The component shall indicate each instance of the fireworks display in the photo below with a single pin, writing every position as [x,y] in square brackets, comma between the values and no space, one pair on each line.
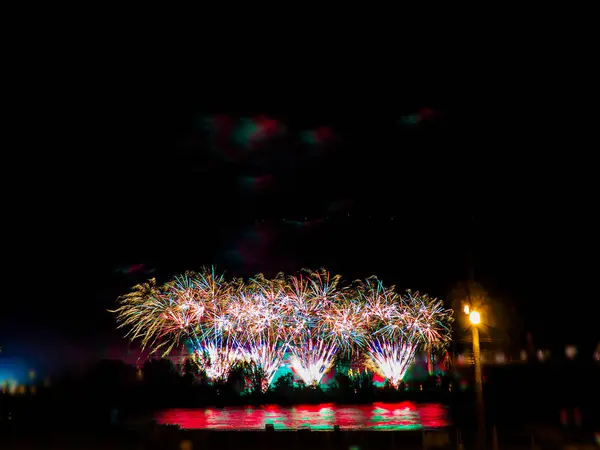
[262,321]
[310,318]
[323,322]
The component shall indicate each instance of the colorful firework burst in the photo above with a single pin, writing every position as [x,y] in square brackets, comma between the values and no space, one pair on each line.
[401,325]
[162,317]
[324,321]
[312,316]
[216,339]
[262,317]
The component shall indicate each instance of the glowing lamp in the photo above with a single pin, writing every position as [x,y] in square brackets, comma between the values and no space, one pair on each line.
[474,317]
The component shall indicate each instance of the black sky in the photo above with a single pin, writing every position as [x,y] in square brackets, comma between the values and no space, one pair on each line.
[114,171]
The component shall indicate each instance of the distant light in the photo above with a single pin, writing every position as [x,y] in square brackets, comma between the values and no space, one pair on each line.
[466,309]
[475,317]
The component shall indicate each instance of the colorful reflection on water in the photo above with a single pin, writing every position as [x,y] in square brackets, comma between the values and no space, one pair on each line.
[376,416]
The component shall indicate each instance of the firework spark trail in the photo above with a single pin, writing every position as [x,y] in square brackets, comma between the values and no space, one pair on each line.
[322,323]
[390,360]
[263,319]
[133,306]
[267,357]
[400,325]
[393,346]
[216,340]
[185,306]
[162,317]
[313,359]
[345,323]
[216,360]
[311,315]
[432,319]
[379,302]
[192,308]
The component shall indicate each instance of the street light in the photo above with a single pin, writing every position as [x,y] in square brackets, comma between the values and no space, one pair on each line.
[475,319]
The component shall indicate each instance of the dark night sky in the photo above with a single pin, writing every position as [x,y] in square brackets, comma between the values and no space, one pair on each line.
[115,171]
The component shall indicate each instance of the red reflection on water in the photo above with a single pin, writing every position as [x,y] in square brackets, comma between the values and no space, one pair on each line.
[383,416]
[389,416]
[433,415]
[313,408]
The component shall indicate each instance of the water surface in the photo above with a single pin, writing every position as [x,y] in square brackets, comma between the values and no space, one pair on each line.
[376,416]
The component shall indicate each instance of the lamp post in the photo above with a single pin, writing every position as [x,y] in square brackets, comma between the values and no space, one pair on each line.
[475,319]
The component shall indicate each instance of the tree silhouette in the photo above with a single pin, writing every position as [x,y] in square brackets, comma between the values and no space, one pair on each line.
[160,372]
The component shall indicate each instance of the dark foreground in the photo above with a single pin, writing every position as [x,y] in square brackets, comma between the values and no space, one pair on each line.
[158,437]
[532,407]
